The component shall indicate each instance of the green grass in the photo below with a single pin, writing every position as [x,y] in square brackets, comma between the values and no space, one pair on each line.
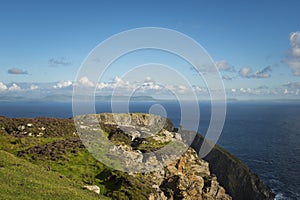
[82,167]
[78,169]
[38,177]
[20,179]
[13,144]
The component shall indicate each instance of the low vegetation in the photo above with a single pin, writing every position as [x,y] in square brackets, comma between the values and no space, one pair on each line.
[55,165]
[21,179]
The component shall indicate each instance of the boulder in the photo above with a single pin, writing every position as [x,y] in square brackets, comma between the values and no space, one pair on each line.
[93,188]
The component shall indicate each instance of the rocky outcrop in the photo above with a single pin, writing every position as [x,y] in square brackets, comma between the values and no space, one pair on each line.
[136,120]
[135,135]
[234,175]
[187,177]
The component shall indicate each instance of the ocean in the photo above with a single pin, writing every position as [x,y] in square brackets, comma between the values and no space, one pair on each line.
[264,135]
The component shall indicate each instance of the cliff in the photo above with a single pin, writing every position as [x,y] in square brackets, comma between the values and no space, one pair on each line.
[234,175]
[53,144]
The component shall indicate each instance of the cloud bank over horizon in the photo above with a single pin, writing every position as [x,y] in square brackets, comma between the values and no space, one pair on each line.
[146,87]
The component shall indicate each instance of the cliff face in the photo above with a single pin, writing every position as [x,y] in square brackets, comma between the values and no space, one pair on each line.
[234,175]
[54,143]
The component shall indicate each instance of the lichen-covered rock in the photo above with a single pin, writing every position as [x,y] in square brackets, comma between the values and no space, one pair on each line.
[152,123]
[187,178]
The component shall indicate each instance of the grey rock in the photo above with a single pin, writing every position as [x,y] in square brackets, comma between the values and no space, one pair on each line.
[93,188]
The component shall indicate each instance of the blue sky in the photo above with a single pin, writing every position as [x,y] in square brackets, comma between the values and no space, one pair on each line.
[255,44]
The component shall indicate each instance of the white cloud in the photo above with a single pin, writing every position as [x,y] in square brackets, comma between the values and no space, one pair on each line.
[294,64]
[247,72]
[243,90]
[84,81]
[262,92]
[199,89]
[147,79]
[246,90]
[147,86]
[34,87]
[14,87]
[3,87]
[264,73]
[223,65]
[115,83]
[118,83]
[295,44]
[293,58]
[62,84]
[102,85]
[151,86]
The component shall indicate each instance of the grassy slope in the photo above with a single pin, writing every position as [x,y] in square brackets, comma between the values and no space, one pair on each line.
[24,179]
[77,169]
[29,176]
[20,179]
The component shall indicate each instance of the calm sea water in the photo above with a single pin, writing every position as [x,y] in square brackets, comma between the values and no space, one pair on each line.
[265,135]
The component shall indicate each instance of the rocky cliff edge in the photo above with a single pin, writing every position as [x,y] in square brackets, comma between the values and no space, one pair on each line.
[187,177]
